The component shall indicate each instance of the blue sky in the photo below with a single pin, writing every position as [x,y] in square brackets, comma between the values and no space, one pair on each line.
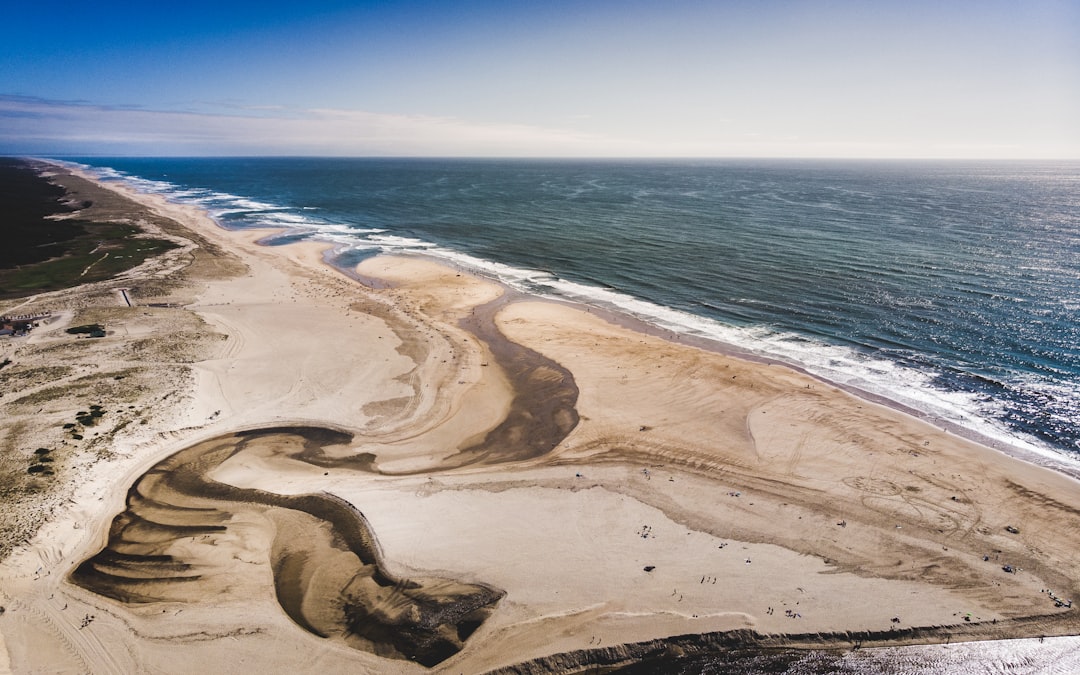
[548,78]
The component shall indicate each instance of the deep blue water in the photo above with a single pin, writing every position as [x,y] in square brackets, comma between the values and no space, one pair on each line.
[951,287]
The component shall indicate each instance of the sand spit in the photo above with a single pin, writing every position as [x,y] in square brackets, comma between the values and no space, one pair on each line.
[432,475]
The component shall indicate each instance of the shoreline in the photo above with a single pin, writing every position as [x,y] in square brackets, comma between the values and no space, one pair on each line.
[672,466]
[1029,450]
[1043,457]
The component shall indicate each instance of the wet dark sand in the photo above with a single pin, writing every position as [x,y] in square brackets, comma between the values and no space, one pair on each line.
[328,571]
[329,576]
[542,411]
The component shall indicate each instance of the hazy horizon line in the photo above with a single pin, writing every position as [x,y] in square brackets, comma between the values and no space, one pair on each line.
[545,158]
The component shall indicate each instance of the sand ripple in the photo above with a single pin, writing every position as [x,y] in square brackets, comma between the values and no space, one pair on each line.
[183,534]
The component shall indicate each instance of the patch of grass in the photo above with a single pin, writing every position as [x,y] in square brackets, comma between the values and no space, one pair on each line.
[22,377]
[83,261]
[101,384]
[90,419]
[42,254]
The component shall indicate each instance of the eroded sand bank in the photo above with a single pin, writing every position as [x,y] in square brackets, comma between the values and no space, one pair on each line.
[575,484]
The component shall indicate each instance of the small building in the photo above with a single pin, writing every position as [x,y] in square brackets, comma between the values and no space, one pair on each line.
[20,325]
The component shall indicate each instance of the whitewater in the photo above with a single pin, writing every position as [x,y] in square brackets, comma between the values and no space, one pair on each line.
[951,289]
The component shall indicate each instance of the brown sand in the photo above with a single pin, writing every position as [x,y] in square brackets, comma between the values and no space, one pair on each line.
[539,480]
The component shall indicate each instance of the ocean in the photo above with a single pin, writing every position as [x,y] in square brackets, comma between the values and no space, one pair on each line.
[951,288]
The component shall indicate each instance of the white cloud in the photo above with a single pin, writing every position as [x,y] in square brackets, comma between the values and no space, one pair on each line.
[76,127]
[32,126]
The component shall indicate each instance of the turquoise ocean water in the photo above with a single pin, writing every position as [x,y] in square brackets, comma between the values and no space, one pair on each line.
[952,288]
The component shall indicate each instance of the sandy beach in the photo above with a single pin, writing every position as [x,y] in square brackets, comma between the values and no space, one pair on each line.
[296,470]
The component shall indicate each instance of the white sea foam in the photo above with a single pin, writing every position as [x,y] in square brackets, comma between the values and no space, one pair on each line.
[844,366]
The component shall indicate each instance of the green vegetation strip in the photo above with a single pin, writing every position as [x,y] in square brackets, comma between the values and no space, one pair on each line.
[44,254]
